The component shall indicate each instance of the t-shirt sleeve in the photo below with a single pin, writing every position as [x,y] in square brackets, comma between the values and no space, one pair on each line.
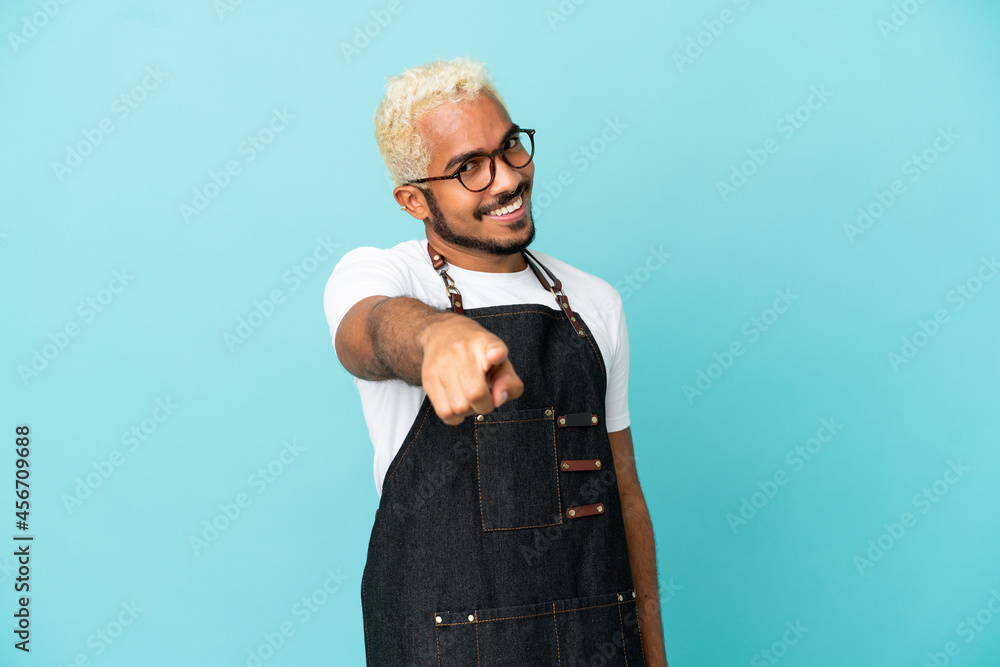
[616,400]
[361,273]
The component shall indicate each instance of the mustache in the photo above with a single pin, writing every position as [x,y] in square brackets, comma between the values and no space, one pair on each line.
[517,193]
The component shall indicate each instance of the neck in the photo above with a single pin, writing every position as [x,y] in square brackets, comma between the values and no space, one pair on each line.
[476,260]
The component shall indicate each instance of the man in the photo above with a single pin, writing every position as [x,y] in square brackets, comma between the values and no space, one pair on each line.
[511,528]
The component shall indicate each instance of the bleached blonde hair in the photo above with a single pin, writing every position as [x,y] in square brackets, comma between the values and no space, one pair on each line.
[414,93]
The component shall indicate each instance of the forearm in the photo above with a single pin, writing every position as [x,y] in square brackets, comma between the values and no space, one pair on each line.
[463,367]
[394,327]
[642,558]
[381,338]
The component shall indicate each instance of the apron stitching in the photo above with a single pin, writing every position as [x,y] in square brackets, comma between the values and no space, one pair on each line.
[555,453]
[437,644]
[477,637]
[403,455]
[479,482]
[621,624]
[509,618]
[479,487]
[603,370]
[540,525]
[638,626]
[520,312]
[364,616]
[556,625]
[512,421]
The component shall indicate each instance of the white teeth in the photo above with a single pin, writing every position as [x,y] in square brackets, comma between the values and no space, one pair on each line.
[513,206]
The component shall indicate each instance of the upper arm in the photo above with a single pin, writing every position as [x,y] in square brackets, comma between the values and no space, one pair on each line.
[616,398]
[352,340]
[362,278]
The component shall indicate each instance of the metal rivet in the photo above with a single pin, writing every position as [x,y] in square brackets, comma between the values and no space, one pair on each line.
[437,618]
[565,466]
[572,319]
[572,512]
[620,598]
[597,464]
[580,332]
[479,418]
[548,413]
[600,508]
[562,421]
[458,304]
[593,419]
[633,593]
[471,617]
[436,258]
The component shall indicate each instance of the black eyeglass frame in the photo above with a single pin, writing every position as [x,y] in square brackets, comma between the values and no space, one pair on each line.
[493,165]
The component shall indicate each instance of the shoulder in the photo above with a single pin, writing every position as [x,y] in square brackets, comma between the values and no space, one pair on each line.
[407,253]
[403,264]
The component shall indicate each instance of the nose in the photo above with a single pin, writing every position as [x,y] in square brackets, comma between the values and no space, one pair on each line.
[507,178]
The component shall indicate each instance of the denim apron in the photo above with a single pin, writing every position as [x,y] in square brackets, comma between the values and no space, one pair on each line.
[500,541]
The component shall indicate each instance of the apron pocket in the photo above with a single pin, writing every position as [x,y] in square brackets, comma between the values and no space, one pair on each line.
[518,469]
[597,630]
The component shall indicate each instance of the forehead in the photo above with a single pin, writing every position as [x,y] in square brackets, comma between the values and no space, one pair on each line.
[479,124]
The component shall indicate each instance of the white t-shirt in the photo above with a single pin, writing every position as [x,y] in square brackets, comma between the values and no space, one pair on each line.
[390,406]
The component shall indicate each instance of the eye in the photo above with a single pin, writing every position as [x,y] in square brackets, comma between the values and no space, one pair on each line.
[471,166]
[512,142]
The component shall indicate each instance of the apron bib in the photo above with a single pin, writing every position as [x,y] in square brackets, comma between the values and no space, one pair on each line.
[500,541]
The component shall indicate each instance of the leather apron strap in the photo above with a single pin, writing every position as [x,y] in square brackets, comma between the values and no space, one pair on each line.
[455,297]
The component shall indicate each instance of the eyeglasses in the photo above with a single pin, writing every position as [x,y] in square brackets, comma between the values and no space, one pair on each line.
[477,172]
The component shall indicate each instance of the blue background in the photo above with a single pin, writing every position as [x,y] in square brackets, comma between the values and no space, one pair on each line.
[730,585]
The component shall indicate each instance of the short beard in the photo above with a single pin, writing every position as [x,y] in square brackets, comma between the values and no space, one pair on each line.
[442,229]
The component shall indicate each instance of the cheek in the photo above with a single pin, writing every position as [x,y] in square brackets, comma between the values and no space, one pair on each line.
[461,207]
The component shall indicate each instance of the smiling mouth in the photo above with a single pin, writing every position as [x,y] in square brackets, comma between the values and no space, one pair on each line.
[510,211]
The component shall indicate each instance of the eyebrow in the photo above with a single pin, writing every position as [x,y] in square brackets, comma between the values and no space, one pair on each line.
[459,159]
